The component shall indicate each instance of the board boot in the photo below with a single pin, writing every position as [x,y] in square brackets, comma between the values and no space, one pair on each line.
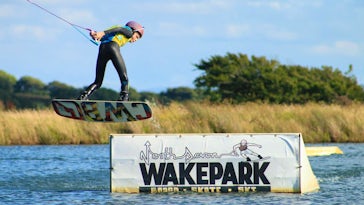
[85,94]
[124,96]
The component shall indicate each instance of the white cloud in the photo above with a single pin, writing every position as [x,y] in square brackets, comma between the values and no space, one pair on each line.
[267,31]
[270,4]
[7,10]
[277,33]
[275,5]
[44,3]
[346,48]
[183,7]
[175,29]
[78,16]
[234,31]
[283,4]
[33,32]
[75,11]
[237,30]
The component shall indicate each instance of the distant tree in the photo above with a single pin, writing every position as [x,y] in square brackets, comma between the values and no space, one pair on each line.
[7,83]
[149,96]
[134,94]
[179,94]
[234,77]
[28,84]
[31,93]
[105,94]
[60,90]
[237,78]
[110,94]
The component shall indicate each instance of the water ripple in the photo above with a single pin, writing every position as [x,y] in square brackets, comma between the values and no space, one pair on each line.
[80,175]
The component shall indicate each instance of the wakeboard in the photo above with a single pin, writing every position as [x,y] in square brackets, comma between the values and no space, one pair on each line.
[102,111]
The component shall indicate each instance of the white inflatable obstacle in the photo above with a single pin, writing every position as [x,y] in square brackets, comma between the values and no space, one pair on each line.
[236,162]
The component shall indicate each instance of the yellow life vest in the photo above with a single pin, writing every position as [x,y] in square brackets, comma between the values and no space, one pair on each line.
[120,39]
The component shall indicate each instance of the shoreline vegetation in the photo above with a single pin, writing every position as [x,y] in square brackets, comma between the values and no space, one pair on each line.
[318,123]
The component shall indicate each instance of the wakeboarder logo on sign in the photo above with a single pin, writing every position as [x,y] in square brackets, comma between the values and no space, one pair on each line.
[168,171]
[242,149]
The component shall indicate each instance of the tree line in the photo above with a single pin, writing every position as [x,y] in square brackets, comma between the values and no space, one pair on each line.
[238,78]
[30,92]
[234,78]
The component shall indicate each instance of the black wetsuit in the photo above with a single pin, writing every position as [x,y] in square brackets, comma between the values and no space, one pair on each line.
[110,50]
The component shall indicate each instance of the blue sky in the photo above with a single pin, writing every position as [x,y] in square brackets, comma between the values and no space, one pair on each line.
[178,34]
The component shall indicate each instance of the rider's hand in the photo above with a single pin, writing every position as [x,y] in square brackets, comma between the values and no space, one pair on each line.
[97,35]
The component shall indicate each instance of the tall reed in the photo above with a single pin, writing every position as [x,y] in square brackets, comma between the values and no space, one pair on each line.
[317,123]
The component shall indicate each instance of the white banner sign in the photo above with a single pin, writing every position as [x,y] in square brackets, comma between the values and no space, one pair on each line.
[209,163]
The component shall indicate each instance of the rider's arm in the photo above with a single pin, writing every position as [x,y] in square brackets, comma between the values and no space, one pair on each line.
[120,30]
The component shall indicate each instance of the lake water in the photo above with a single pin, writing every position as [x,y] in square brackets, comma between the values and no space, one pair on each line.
[80,175]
